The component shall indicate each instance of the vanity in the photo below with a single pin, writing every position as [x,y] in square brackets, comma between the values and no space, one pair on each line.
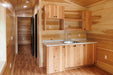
[60,56]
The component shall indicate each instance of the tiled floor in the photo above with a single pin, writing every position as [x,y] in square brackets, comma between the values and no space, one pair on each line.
[26,64]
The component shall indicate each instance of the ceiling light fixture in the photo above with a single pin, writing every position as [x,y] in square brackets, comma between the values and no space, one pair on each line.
[27,1]
[6,5]
[25,6]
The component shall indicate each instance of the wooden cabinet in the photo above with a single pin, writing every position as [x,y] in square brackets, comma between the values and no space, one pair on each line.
[87,20]
[59,58]
[74,56]
[81,20]
[54,59]
[89,54]
[54,12]
[55,15]
[79,55]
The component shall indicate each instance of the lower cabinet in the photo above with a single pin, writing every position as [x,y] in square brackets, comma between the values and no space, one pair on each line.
[59,58]
[54,59]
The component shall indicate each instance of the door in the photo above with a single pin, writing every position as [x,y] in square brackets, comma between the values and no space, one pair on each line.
[32,35]
[36,36]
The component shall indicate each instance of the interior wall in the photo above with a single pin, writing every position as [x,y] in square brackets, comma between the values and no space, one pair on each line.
[102,32]
[24,31]
[24,13]
[10,41]
[57,35]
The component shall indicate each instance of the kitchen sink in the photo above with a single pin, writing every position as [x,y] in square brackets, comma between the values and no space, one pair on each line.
[69,42]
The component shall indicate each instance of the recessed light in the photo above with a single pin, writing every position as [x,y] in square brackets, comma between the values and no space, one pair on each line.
[27,1]
[6,5]
[25,6]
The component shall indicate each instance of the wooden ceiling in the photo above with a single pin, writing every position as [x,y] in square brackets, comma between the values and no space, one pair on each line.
[85,2]
[19,4]
[79,2]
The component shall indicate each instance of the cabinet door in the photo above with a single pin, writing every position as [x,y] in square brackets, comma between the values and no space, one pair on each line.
[73,56]
[87,16]
[89,54]
[49,11]
[54,12]
[69,56]
[79,55]
[60,12]
[55,59]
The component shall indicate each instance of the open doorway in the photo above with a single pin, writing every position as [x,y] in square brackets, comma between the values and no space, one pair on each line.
[24,36]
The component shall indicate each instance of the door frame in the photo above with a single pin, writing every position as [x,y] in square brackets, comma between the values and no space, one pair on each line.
[16,19]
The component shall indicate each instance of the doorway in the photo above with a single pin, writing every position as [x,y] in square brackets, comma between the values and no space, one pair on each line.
[24,36]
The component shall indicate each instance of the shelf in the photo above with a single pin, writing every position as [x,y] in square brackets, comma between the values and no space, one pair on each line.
[74,29]
[73,19]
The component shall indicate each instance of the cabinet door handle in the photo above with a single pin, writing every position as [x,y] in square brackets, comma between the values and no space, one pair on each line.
[63,46]
[74,46]
[83,45]
[55,16]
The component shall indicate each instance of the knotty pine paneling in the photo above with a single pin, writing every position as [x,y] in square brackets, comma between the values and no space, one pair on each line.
[11,44]
[102,32]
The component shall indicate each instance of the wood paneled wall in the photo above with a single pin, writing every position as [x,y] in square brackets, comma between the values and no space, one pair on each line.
[24,31]
[57,35]
[24,13]
[11,44]
[102,32]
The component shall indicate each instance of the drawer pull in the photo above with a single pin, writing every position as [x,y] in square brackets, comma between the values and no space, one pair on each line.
[63,46]
[74,46]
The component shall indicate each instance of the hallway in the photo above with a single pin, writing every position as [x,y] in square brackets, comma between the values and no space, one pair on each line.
[25,63]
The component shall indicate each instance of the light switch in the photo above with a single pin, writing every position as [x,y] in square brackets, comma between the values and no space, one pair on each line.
[79,35]
[49,27]
[11,37]
[105,57]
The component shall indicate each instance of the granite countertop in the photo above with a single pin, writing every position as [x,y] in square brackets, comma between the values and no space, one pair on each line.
[61,43]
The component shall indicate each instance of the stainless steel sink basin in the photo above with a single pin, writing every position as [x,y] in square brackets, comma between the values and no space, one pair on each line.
[69,42]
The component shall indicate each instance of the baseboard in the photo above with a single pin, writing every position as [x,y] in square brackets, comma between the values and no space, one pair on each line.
[13,65]
[106,67]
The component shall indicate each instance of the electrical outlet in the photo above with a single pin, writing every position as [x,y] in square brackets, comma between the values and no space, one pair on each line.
[23,39]
[49,27]
[11,37]
[10,65]
[79,35]
[105,57]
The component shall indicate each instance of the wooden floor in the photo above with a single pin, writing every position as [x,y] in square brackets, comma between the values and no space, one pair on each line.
[26,64]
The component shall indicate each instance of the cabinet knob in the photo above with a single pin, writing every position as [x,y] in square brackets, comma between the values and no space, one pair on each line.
[74,46]
[63,46]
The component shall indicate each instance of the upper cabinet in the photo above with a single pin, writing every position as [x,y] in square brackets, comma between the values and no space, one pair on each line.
[54,12]
[56,18]
[87,20]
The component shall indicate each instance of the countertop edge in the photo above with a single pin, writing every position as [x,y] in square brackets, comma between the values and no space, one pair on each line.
[69,44]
